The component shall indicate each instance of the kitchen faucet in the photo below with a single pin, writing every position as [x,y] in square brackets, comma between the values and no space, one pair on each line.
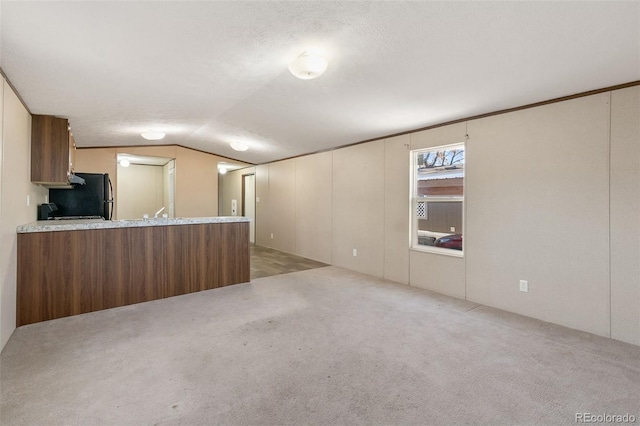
[155,216]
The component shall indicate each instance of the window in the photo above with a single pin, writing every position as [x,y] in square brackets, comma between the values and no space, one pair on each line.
[437,199]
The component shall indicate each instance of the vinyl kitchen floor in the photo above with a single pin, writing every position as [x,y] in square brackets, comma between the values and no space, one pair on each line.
[266,262]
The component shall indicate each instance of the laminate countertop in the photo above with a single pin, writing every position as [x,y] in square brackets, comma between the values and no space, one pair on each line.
[79,225]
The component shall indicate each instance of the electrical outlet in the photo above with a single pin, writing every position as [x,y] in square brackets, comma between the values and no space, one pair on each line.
[355,252]
[46,199]
[272,236]
[452,229]
[28,200]
[257,199]
[524,286]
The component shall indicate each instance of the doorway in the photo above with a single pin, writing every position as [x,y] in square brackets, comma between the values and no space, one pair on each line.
[249,203]
[145,185]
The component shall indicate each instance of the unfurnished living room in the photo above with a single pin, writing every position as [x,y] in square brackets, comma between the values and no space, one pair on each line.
[325,213]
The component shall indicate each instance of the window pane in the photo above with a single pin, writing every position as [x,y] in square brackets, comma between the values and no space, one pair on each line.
[440,219]
[440,173]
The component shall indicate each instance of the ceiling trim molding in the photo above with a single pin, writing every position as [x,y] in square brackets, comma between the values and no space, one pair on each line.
[161,146]
[217,155]
[474,117]
[24,104]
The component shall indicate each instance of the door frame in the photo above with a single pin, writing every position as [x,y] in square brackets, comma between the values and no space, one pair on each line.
[243,190]
[255,223]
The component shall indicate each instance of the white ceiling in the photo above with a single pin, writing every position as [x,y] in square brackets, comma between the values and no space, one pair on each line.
[209,73]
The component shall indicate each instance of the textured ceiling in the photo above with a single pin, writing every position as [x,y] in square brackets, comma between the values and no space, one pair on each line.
[209,73]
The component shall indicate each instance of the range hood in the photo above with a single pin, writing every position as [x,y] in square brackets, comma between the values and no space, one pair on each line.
[73,182]
[76,180]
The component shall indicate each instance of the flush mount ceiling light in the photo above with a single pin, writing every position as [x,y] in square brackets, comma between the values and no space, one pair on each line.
[239,146]
[222,170]
[152,135]
[124,162]
[308,66]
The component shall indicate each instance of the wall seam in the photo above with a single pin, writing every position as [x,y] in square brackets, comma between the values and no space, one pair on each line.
[411,210]
[295,207]
[3,342]
[333,213]
[384,210]
[386,213]
[269,209]
[609,214]
[2,158]
[465,253]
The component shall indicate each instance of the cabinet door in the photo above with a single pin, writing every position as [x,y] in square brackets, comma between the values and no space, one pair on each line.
[49,149]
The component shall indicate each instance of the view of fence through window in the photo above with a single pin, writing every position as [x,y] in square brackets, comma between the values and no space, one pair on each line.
[438,195]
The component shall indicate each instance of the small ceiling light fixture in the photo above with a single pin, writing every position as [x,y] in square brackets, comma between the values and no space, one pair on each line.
[222,170]
[239,146]
[152,135]
[308,66]
[124,162]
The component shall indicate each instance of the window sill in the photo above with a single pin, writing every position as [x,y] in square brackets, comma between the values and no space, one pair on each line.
[438,250]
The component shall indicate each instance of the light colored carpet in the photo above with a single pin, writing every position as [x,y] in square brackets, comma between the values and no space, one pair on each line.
[324,346]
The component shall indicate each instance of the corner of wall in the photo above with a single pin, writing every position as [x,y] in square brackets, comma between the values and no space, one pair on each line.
[15,189]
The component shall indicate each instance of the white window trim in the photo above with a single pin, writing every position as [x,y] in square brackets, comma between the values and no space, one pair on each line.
[413,236]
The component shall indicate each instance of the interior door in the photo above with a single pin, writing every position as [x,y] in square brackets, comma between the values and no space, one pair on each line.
[249,203]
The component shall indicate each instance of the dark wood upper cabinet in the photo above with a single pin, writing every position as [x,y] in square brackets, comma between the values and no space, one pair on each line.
[52,149]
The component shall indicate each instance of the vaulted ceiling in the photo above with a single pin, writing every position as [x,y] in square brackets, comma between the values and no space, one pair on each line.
[211,73]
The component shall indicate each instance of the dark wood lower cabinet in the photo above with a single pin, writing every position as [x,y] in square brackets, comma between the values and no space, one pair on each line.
[63,273]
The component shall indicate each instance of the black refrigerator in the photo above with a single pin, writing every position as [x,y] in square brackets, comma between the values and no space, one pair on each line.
[93,199]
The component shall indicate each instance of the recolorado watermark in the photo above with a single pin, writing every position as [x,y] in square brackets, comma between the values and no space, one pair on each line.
[605,418]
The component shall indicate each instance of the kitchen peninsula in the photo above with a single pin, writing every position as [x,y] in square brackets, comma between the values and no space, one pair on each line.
[72,267]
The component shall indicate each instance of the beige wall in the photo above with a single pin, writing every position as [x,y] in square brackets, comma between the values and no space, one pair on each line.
[358,208]
[140,191]
[97,160]
[445,135]
[298,193]
[263,217]
[196,183]
[282,199]
[396,213]
[275,198]
[2,83]
[313,206]
[536,208]
[15,186]
[625,215]
[196,180]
